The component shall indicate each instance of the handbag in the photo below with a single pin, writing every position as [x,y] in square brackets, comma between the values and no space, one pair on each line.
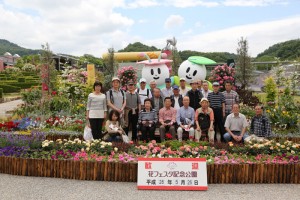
[87,134]
[125,138]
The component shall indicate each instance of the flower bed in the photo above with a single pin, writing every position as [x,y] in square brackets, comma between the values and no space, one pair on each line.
[255,162]
[127,172]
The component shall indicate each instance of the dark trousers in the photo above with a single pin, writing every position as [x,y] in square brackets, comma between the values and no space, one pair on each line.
[132,122]
[146,130]
[96,126]
[218,114]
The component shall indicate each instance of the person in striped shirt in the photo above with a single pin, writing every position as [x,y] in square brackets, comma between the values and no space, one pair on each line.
[231,97]
[147,121]
[217,103]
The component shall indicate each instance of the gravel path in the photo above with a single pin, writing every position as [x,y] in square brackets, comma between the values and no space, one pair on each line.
[9,106]
[28,188]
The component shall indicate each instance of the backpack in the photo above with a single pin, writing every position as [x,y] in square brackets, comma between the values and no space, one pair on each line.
[138,91]
[203,119]
[112,97]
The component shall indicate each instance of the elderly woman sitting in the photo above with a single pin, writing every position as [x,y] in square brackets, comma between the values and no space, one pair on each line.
[147,121]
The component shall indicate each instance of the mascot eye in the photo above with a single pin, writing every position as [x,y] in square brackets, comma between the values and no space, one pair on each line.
[158,70]
[152,72]
[195,72]
[188,69]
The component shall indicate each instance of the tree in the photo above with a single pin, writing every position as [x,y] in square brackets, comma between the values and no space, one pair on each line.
[176,61]
[244,71]
[110,67]
[48,71]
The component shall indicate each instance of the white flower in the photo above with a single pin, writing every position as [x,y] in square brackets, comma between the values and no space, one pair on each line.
[102,147]
[115,149]
[292,152]
[87,149]
[45,144]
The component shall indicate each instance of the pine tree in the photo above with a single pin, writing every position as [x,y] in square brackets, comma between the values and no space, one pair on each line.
[244,69]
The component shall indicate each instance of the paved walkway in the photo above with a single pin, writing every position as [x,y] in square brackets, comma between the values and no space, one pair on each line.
[8,106]
[31,188]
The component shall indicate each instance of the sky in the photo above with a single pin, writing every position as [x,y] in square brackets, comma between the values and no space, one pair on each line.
[80,27]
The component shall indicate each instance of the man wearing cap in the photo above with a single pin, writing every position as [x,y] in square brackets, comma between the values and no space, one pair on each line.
[231,97]
[185,119]
[195,95]
[133,106]
[204,118]
[116,98]
[143,92]
[236,125]
[217,103]
[176,98]
[167,91]
[167,119]
[182,89]
[205,89]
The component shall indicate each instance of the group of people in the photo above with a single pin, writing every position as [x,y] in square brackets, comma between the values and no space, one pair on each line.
[191,113]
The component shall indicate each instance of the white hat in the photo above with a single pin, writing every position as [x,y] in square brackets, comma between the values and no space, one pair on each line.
[143,80]
[115,78]
[203,99]
[182,79]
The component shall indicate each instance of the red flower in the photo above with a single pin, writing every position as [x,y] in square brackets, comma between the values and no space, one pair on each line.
[169,136]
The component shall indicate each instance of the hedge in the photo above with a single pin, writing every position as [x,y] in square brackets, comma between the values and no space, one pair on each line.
[1,93]
[23,85]
[21,80]
[29,73]
[9,88]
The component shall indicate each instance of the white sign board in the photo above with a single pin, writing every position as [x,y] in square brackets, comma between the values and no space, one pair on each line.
[172,174]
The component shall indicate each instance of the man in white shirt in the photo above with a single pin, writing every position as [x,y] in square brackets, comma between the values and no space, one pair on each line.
[205,89]
[182,89]
[236,125]
[143,92]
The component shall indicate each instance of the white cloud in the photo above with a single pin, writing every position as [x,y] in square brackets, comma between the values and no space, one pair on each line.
[250,3]
[187,32]
[142,3]
[191,3]
[173,21]
[75,27]
[260,36]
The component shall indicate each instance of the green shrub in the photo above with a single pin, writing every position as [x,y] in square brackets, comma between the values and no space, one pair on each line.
[30,97]
[1,93]
[24,85]
[21,80]
[270,89]
[59,103]
[2,78]
[9,88]
[28,73]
